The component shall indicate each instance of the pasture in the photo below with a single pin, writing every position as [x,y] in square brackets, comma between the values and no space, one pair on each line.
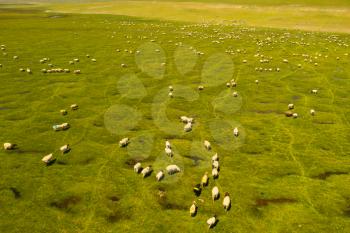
[283,174]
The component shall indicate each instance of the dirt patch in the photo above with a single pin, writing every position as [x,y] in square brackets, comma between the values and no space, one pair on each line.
[114,198]
[195,159]
[117,216]
[16,193]
[66,203]
[132,161]
[166,204]
[325,175]
[324,122]
[265,202]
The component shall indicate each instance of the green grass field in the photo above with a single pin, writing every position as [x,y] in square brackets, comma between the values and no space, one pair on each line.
[284,175]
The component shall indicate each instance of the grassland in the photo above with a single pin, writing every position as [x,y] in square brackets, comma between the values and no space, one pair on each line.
[284,175]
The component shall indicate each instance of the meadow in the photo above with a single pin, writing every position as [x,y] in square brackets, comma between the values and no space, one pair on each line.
[283,174]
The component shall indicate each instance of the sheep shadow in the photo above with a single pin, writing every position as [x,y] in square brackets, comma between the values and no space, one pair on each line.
[50,163]
[215,223]
[148,174]
[217,198]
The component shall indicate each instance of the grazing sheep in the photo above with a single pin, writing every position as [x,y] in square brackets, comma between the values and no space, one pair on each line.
[167,144]
[215,157]
[211,221]
[215,173]
[87,55]
[288,113]
[137,167]
[235,94]
[170,95]
[15,57]
[227,201]
[314,91]
[295,115]
[60,127]
[290,106]
[47,158]
[77,72]
[188,127]
[9,146]
[66,70]
[124,142]
[171,88]
[228,84]
[146,171]
[193,209]
[205,179]
[21,70]
[233,84]
[235,132]
[257,81]
[312,112]
[0,65]
[65,148]
[200,88]
[123,65]
[215,164]
[168,152]
[160,175]
[63,112]
[74,107]
[207,145]
[215,193]
[71,62]
[172,169]
[44,71]
[93,60]
[76,59]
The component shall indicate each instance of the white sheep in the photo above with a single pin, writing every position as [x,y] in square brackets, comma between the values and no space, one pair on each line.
[160,175]
[205,179]
[235,94]
[312,112]
[314,91]
[65,148]
[167,144]
[74,106]
[257,81]
[8,146]
[124,142]
[295,115]
[170,95]
[47,158]
[168,151]
[146,171]
[215,193]
[93,60]
[200,88]
[171,88]
[227,201]
[211,222]
[216,164]
[62,126]
[235,132]
[188,127]
[137,167]
[172,169]
[228,84]
[207,145]
[215,157]
[77,72]
[193,209]
[290,106]
[215,173]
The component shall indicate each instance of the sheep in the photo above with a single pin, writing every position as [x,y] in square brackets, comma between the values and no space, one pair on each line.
[77,72]
[15,57]
[215,164]
[64,149]
[146,171]
[168,152]
[47,158]
[233,84]
[235,132]
[257,81]
[63,112]
[44,71]
[288,113]
[211,221]
[66,70]
[205,179]
[160,175]
[227,201]
[295,115]
[290,106]
[137,167]
[60,127]
[215,157]
[171,88]
[207,145]
[124,142]
[193,209]
[314,91]
[0,65]
[93,60]
[167,144]
[215,173]
[215,193]
[188,127]
[71,62]
[172,169]
[200,88]
[21,70]
[76,60]
[235,94]
[170,95]
[228,84]
[74,107]
[123,65]
[285,60]
[9,146]
[87,55]
[186,119]
[312,112]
